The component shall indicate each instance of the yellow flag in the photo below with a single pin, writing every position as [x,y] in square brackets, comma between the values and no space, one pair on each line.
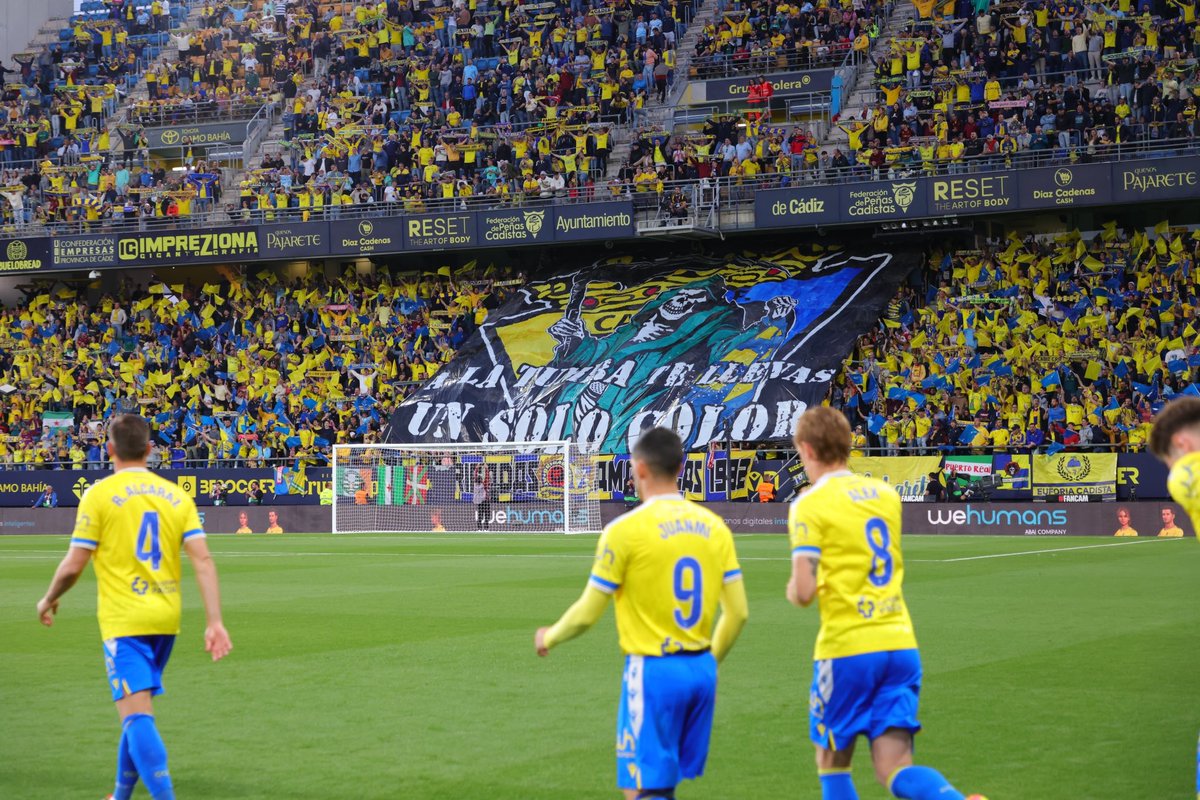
[1162,227]
[1093,263]
[1092,371]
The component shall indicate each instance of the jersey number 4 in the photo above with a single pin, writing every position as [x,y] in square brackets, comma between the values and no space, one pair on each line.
[147,541]
[689,590]
[879,539]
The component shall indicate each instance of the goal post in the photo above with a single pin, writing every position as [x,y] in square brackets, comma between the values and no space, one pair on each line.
[498,487]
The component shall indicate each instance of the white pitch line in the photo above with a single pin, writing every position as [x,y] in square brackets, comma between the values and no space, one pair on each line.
[1032,552]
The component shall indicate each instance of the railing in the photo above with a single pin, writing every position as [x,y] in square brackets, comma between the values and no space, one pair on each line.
[718,65]
[203,111]
[320,458]
[1046,448]
[735,190]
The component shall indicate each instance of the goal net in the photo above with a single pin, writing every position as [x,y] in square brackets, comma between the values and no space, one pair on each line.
[504,487]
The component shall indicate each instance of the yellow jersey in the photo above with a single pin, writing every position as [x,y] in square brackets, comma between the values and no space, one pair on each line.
[851,525]
[136,522]
[1184,485]
[665,562]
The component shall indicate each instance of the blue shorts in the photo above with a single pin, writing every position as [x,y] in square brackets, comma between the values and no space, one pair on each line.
[136,663]
[864,695]
[665,720]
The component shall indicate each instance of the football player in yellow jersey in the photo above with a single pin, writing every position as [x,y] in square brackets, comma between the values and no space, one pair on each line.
[669,563]
[845,538]
[1175,440]
[133,525]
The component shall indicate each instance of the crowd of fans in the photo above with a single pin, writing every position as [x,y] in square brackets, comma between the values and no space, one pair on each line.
[1036,343]
[246,371]
[768,36]
[989,84]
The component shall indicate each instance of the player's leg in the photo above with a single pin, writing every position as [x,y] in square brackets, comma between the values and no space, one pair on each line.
[893,723]
[135,675]
[839,712]
[649,727]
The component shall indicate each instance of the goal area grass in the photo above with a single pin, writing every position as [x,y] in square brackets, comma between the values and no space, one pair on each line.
[403,666]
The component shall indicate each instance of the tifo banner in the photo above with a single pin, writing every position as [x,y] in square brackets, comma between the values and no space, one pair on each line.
[908,475]
[732,349]
[1075,474]
[285,486]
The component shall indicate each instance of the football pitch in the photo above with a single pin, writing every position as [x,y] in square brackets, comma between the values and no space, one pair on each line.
[403,667]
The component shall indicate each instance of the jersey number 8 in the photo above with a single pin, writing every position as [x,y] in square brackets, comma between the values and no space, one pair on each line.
[689,588]
[147,541]
[880,573]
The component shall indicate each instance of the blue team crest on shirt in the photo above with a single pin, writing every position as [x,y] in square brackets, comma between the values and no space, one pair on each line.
[139,586]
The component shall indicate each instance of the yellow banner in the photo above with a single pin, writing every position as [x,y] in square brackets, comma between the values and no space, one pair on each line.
[908,475]
[1075,473]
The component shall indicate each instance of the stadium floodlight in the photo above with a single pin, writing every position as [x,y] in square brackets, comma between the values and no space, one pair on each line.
[500,487]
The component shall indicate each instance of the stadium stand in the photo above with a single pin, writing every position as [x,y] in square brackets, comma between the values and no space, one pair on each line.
[1044,343]
[234,373]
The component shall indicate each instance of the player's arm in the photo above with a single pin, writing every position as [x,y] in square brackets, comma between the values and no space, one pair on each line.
[583,614]
[216,638]
[735,610]
[802,587]
[69,570]
[804,534]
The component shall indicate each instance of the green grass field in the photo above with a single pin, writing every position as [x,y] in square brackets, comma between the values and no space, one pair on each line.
[403,667]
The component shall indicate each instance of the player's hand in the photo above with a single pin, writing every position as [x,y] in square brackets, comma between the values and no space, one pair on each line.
[46,611]
[216,641]
[539,642]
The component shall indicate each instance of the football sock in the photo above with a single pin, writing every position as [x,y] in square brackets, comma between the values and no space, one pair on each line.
[922,783]
[127,775]
[836,784]
[150,755]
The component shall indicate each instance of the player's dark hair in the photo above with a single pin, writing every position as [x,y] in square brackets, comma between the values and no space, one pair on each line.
[130,435]
[661,450]
[827,432]
[1183,412]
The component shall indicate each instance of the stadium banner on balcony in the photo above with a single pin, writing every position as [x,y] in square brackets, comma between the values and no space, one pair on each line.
[295,240]
[521,226]
[884,201]
[590,221]
[972,194]
[19,488]
[716,348]
[24,254]
[1075,474]
[785,84]
[449,231]
[908,475]
[1064,187]
[355,237]
[199,135]
[1149,181]
[246,519]
[84,252]
[187,246]
[796,207]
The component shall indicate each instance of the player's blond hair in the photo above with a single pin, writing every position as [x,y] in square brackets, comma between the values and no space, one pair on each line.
[827,432]
[1180,413]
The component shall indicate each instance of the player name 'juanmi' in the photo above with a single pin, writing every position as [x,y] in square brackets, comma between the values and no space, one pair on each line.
[675,527]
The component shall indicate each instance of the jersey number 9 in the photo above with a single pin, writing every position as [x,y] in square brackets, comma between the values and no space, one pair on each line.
[689,589]
[880,573]
[147,541]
